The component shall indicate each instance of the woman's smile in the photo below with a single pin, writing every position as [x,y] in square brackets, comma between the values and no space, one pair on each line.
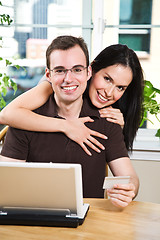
[101,97]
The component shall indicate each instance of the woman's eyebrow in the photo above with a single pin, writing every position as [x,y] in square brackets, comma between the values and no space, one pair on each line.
[109,76]
[113,81]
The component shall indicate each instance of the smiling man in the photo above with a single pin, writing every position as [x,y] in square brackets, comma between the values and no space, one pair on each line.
[68,71]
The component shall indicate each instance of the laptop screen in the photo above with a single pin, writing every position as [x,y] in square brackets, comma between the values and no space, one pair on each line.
[41,186]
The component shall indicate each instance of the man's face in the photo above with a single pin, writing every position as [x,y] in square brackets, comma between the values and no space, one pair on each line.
[70,86]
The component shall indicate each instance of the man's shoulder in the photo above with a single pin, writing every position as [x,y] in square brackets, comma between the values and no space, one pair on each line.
[48,108]
[110,126]
[16,132]
[88,109]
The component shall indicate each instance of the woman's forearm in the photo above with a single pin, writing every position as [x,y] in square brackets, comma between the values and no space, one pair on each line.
[21,120]
[70,128]
[15,112]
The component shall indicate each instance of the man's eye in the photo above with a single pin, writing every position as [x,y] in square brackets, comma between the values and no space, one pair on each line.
[59,71]
[77,70]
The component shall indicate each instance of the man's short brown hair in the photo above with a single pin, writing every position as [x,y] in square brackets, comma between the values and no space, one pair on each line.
[65,43]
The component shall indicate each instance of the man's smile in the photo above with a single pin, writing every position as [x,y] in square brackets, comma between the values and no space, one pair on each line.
[69,88]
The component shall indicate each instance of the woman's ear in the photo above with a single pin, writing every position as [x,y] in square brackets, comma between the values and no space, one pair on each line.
[48,76]
[89,72]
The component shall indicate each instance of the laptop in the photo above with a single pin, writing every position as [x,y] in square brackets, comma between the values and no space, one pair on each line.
[41,194]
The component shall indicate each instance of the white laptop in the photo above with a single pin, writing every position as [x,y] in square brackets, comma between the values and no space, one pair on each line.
[44,194]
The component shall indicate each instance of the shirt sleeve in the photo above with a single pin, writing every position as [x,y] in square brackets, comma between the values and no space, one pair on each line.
[115,147]
[16,144]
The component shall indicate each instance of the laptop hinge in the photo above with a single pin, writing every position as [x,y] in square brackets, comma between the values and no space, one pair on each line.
[38,211]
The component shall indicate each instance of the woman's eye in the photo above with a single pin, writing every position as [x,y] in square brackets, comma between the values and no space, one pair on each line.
[107,79]
[120,88]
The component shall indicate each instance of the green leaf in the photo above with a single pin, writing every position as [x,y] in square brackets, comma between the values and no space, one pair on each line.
[158,133]
[13,85]
[149,103]
[8,62]
[17,66]
[4,91]
[2,102]
[5,80]
[157,90]
[5,18]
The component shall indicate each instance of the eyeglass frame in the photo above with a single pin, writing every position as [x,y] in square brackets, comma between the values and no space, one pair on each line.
[65,70]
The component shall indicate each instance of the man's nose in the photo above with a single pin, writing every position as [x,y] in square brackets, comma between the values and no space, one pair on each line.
[68,76]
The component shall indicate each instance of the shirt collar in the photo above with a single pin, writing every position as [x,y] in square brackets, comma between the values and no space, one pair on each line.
[87,108]
[54,108]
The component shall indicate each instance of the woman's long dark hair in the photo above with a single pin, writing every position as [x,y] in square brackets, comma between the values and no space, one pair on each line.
[130,104]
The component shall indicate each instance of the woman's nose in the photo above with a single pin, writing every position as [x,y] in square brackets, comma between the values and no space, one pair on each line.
[109,90]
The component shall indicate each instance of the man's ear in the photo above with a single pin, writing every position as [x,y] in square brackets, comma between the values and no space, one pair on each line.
[48,76]
[89,73]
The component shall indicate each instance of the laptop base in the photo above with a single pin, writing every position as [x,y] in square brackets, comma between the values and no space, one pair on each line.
[39,220]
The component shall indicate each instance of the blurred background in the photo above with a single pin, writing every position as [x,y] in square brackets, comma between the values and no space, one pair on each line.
[100,22]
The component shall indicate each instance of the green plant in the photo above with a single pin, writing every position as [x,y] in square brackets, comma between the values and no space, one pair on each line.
[5,80]
[150,103]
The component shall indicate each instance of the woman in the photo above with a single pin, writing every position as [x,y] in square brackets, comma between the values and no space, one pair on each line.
[115,88]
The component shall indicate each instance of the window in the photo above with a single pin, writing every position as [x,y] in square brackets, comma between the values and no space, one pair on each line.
[135,12]
[36,23]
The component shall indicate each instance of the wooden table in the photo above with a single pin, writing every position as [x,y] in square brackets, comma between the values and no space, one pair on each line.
[138,221]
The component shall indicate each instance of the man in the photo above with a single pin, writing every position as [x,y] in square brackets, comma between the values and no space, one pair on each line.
[68,71]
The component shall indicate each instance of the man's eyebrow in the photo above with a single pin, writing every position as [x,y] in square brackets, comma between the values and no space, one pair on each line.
[79,65]
[62,67]
[59,67]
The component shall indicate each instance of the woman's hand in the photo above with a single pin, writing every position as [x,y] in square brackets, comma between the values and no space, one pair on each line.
[78,132]
[112,115]
[121,194]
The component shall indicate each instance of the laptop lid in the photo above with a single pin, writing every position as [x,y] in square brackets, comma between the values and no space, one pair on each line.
[48,188]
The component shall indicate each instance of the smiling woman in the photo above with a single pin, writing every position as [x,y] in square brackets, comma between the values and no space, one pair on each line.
[109,84]
[117,79]
[118,66]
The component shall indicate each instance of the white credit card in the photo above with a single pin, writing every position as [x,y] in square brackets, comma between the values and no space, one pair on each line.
[109,182]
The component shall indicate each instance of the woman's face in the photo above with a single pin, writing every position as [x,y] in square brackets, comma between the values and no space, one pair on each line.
[109,84]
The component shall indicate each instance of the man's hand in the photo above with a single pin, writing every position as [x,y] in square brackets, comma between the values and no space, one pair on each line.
[78,132]
[112,115]
[121,194]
